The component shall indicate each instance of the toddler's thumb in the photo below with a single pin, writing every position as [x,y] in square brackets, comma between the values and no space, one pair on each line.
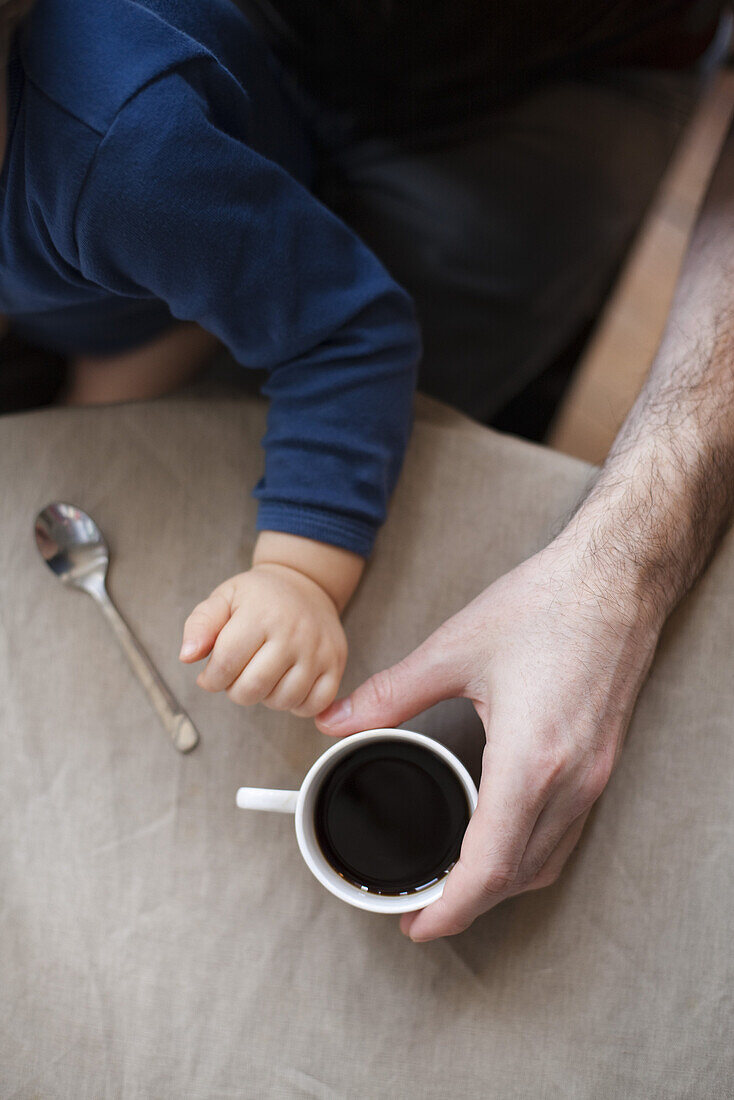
[424,677]
[202,627]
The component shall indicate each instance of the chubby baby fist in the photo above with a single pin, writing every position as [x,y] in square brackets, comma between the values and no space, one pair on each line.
[273,636]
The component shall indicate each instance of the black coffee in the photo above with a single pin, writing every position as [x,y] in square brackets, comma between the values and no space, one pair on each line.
[390,817]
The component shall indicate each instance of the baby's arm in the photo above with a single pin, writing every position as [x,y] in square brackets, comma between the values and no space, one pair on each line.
[274,632]
[229,239]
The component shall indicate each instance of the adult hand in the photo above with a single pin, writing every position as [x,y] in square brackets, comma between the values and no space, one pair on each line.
[553,656]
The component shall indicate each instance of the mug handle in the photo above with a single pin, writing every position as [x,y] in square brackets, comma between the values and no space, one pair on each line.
[260,798]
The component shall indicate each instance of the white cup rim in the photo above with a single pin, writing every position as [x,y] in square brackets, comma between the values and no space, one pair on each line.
[314,859]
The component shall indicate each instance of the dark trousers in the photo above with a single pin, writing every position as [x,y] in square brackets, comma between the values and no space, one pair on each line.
[506,216]
[509,236]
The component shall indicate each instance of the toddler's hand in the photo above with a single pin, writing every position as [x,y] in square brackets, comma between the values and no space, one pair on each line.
[274,636]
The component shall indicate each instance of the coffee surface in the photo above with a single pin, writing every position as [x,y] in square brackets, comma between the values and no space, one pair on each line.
[390,817]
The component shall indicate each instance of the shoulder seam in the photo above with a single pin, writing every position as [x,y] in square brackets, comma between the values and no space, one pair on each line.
[204,55]
[198,51]
[60,106]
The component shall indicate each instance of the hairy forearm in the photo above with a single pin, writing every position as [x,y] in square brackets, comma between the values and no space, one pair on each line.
[666,491]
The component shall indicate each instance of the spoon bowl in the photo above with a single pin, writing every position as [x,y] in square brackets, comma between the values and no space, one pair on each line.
[71,544]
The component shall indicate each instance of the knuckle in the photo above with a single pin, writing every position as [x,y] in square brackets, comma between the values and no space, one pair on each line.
[382,690]
[278,702]
[301,634]
[214,677]
[238,695]
[303,712]
[307,710]
[257,684]
[248,690]
[336,660]
[289,696]
[544,766]
[455,926]
[273,704]
[596,778]
[497,880]
[545,878]
[323,694]
[225,668]
[549,766]
[200,614]
[326,660]
[535,866]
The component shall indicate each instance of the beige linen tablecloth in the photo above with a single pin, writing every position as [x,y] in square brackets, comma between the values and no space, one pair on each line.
[155,942]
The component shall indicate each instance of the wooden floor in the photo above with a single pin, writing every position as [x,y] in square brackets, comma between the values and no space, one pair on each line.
[617,358]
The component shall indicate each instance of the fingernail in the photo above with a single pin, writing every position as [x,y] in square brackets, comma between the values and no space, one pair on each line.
[411,932]
[187,650]
[418,939]
[407,923]
[337,713]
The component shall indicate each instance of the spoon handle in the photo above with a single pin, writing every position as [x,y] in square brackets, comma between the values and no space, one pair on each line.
[176,721]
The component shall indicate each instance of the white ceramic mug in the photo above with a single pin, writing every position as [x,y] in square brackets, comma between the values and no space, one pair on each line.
[302,803]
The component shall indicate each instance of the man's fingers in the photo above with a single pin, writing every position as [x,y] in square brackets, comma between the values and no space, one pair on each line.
[426,676]
[462,901]
[545,877]
[553,866]
[572,802]
[491,854]
[203,626]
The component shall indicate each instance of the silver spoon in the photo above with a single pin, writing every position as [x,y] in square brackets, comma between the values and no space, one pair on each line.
[74,548]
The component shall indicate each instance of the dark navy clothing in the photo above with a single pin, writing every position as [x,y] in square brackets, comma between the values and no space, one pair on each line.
[156,169]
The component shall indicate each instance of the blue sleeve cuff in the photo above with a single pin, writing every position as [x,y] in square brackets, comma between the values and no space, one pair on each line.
[311,523]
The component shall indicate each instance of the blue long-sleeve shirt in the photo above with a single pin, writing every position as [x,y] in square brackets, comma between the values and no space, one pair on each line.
[156,169]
